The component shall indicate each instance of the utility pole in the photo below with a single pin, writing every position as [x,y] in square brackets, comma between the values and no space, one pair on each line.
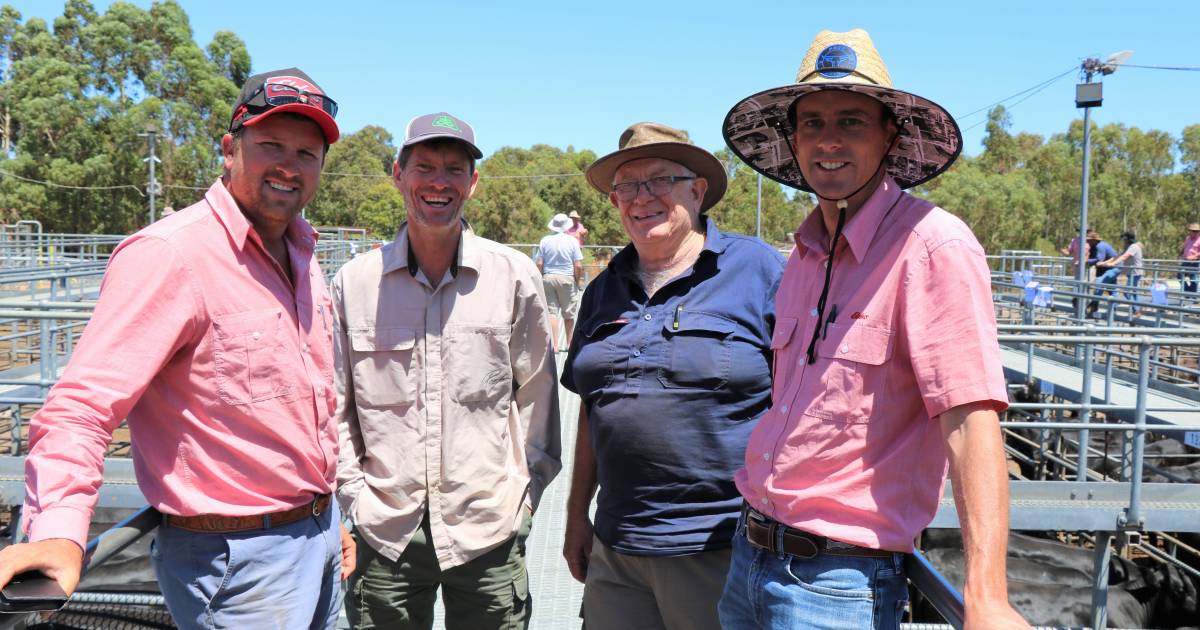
[152,187]
[1087,96]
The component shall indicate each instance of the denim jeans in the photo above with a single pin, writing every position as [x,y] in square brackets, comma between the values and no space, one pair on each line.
[286,577]
[1188,277]
[777,591]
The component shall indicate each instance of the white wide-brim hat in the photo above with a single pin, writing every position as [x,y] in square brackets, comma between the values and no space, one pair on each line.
[559,223]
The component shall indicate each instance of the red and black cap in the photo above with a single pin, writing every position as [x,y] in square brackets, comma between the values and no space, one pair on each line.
[288,90]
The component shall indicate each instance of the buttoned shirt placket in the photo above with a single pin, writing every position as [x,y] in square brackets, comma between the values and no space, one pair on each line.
[433,387]
[300,309]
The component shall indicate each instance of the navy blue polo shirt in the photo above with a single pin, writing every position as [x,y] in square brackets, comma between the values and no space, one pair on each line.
[673,385]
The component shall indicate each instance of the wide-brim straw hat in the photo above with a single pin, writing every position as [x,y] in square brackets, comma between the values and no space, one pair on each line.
[758,131]
[655,140]
[1194,227]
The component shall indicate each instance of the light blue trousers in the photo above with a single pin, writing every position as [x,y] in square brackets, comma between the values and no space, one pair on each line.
[286,577]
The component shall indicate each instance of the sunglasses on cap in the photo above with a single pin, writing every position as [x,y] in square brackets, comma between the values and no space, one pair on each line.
[276,94]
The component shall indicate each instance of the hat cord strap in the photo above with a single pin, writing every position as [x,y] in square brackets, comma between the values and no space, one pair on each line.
[837,235]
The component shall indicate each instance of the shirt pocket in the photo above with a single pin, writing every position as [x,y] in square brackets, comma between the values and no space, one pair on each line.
[595,364]
[783,352]
[250,359]
[699,351]
[480,369]
[854,379]
[383,365]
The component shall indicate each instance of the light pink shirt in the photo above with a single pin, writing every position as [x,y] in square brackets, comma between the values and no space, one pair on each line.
[1191,247]
[223,370]
[851,448]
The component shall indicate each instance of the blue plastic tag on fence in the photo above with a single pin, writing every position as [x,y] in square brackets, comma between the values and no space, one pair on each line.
[1158,293]
[1018,278]
[1031,291]
[1028,275]
[1044,297]
[1047,387]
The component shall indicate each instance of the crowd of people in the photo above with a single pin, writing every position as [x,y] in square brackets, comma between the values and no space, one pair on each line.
[763,439]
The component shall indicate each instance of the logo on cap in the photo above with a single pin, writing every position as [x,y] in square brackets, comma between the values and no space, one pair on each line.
[446,122]
[836,61]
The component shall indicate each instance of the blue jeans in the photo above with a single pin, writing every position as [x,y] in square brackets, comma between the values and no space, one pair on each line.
[777,591]
[1189,275]
[286,577]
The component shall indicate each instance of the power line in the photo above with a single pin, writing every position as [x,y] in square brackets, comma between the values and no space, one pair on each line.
[67,186]
[1030,95]
[1180,68]
[1039,87]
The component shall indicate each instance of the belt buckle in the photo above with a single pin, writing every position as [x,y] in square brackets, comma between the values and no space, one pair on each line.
[316,510]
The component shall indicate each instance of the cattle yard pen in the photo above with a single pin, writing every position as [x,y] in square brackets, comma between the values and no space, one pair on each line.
[1091,401]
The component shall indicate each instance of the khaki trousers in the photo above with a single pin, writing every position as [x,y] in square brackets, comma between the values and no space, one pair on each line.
[627,592]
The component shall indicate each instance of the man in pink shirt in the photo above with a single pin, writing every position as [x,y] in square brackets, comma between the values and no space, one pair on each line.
[886,362]
[1189,258]
[212,338]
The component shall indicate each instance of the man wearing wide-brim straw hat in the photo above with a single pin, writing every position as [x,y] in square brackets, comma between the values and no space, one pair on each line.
[886,360]
[671,361]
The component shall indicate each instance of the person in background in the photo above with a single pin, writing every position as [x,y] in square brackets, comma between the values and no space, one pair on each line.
[1128,263]
[577,229]
[560,260]
[1189,259]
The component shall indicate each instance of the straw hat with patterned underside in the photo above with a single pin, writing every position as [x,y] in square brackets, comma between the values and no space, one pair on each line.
[758,131]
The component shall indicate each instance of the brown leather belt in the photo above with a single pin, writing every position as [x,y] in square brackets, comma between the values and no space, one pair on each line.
[217,524]
[764,532]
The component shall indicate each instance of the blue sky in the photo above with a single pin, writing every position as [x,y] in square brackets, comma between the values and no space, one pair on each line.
[567,73]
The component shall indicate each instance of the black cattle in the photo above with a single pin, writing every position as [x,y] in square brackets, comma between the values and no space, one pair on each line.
[1051,584]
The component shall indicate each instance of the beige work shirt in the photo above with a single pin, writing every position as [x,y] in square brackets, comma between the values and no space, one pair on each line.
[446,396]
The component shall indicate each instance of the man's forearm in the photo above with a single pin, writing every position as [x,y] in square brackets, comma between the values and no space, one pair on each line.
[975,449]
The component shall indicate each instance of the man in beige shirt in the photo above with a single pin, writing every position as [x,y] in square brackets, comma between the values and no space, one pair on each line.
[447,403]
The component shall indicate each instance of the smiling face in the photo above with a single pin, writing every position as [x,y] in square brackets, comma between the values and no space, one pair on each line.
[273,169]
[436,180]
[840,140]
[659,223]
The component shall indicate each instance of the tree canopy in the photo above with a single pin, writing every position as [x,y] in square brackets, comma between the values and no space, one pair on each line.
[77,96]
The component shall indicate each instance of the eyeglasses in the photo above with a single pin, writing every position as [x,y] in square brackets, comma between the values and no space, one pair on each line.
[657,186]
[276,94]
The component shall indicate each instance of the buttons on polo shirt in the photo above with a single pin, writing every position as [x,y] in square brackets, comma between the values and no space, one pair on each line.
[813,312]
[637,353]
[783,409]
[845,349]
[648,317]
[257,335]
[764,501]
[766,457]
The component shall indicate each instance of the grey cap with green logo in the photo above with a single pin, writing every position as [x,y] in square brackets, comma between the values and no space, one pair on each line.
[440,125]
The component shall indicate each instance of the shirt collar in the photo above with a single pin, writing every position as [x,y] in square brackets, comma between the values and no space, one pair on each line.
[626,260]
[859,230]
[398,255]
[299,232]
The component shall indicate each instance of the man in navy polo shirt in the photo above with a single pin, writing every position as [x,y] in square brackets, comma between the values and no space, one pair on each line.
[672,361]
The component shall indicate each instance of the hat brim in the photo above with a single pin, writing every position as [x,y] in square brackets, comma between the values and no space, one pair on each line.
[757,130]
[471,148]
[704,164]
[328,126]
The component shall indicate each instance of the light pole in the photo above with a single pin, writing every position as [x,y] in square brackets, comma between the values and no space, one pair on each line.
[151,134]
[1087,96]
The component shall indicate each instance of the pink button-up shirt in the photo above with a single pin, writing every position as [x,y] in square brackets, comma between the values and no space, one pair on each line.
[1191,247]
[851,448]
[222,366]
